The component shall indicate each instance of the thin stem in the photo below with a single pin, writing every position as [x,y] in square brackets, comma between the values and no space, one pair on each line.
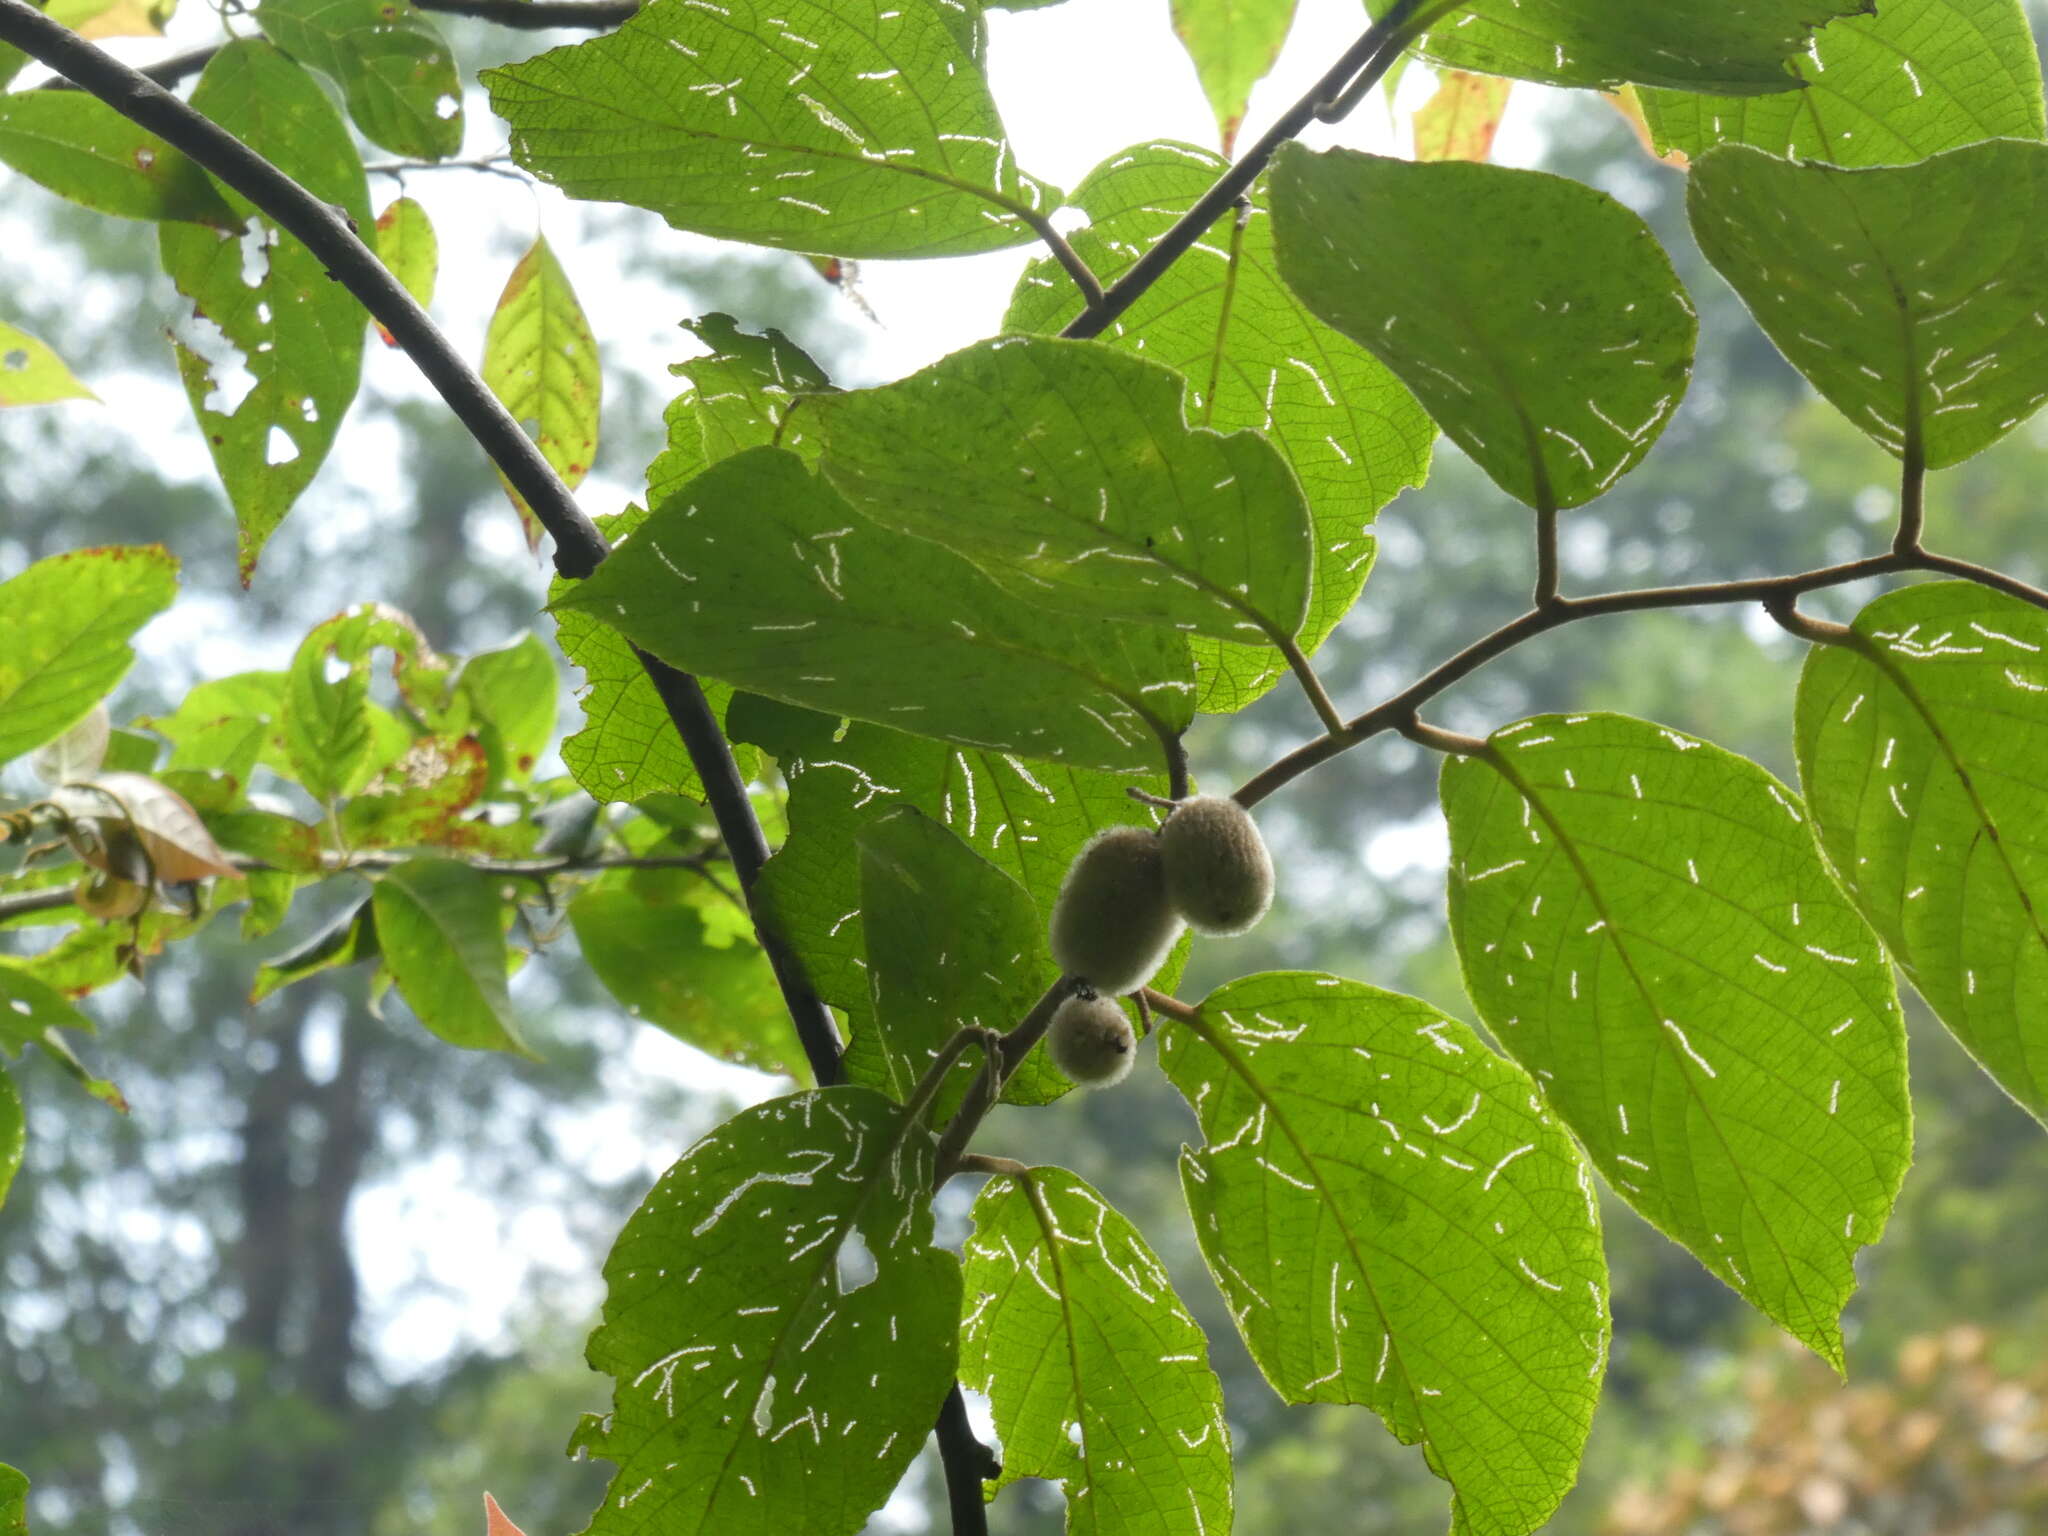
[1546,556]
[1178,775]
[1010,1050]
[1785,610]
[1064,253]
[539,15]
[1172,1007]
[1437,739]
[495,165]
[1912,500]
[1318,696]
[1362,66]
[983,1163]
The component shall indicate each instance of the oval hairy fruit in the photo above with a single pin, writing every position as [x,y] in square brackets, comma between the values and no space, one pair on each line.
[1091,1041]
[1218,874]
[1112,924]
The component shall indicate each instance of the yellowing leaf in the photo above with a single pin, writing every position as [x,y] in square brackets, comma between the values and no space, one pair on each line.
[407,245]
[495,1523]
[31,374]
[541,361]
[1460,121]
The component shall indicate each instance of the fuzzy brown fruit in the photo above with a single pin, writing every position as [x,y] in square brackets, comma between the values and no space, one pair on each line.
[1219,876]
[1091,1041]
[1112,925]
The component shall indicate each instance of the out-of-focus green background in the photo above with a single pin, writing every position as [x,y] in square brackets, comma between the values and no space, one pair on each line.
[331,1277]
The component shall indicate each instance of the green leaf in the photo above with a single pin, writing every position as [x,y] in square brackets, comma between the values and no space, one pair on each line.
[65,623]
[440,928]
[1394,1221]
[278,840]
[540,360]
[1461,120]
[13,1141]
[1098,1377]
[514,691]
[857,127]
[780,1325]
[1919,743]
[82,149]
[30,1007]
[1255,359]
[743,389]
[1028,820]
[1645,924]
[32,374]
[277,313]
[1910,296]
[13,1502]
[761,575]
[1067,472]
[395,70]
[352,937]
[408,246]
[230,724]
[1233,44]
[1732,49]
[951,941]
[338,740]
[1916,78]
[658,958]
[424,799]
[1553,350]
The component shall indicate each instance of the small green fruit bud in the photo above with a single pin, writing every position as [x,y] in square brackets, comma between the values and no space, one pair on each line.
[1218,873]
[1091,1041]
[1112,925]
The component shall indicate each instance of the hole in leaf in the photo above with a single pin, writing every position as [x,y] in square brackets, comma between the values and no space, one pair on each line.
[857,1265]
[279,448]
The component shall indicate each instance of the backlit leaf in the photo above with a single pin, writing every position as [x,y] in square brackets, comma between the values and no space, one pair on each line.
[540,360]
[1098,1377]
[1460,121]
[1919,747]
[1914,79]
[1253,357]
[265,306]
[406,244]
[13,1139]
[1066,470]
[440,930]
[759,574]
[858,127]
[82,149]
[32,374]
[779,1323]
[1553,350]
[1233,44]
[65,623]
[1734,47]
[395,70]
[1395,1221]
[1645,923]
[1912,297]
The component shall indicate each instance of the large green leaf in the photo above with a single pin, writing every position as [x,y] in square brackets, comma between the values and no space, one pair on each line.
[1536,319]
[82,149]
[1255,358]
[395,70]
[1233,44]
[1395,1221]
[1920,746]
[441,930]
[1734,47]
[540,360]
[760,574]
[779,1323]
[1026,819]
[1645,923]
[278,314]
[855,127]
[656,955]
[65,623]
[1914,79]
[338,740]
[1911,297]
[951,941]
[1066,470]
[32,374]
[1098,1377]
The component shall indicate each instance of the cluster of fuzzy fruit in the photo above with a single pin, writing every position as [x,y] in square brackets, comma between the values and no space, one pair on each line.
[1122,906]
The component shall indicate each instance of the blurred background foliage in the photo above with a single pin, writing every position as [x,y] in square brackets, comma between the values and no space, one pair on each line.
[331,1278]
